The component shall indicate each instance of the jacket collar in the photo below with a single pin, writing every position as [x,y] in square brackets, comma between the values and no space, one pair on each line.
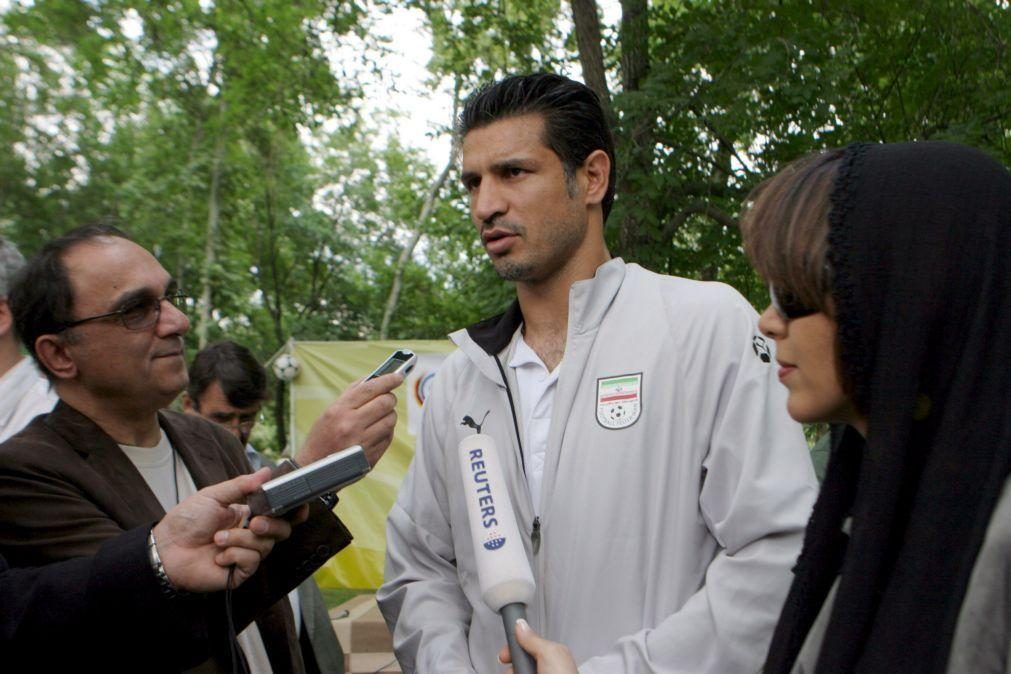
[588,302]
[494,334]
[189,437]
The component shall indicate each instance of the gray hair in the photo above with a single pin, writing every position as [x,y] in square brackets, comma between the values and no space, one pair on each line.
[11,262]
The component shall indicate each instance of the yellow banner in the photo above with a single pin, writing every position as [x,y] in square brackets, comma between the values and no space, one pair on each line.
[326,369]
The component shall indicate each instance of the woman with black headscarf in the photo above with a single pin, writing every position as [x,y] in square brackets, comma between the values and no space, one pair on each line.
[889,268]
[890,273]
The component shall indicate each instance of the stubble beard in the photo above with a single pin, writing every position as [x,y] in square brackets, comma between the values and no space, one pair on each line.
[558,247]
[508,270]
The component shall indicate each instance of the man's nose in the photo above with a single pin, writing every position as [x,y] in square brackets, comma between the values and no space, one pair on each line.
[173,321]
[487,202]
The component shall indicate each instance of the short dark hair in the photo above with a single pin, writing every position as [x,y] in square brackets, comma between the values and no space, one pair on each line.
[574,121]
[41,297]
[243,380]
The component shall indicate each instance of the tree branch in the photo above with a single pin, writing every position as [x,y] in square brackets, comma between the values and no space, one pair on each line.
[696,208]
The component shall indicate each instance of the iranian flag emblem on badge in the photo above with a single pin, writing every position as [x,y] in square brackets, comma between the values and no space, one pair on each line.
[619,400]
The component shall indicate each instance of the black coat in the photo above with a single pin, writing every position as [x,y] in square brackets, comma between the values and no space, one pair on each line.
[103,612]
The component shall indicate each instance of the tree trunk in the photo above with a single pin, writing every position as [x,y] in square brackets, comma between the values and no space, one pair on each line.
[637,125]
[591,54]
[211,241]
[405,254]
[280,430]
[634,37]
[273,296]
[426,213]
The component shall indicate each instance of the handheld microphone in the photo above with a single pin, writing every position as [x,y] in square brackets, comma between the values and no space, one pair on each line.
[503,572]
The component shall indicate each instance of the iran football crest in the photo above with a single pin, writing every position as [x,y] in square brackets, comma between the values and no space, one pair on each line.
[619,400]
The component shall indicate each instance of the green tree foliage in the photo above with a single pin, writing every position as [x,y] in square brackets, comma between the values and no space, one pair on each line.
[226,136]
[735,90]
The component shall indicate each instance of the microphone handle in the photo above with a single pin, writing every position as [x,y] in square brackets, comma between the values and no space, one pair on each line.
[523,662]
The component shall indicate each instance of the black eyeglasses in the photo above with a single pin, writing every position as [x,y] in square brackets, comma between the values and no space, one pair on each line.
[787,305]
[138,314]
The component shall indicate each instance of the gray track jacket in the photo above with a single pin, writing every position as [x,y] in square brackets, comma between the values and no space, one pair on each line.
[676,489]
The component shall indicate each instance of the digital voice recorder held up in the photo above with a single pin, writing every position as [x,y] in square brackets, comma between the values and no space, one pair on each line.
[302,485]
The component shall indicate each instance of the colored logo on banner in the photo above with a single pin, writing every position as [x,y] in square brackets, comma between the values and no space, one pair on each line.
[619,401]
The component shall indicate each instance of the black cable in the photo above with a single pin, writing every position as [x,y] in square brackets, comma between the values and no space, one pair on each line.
[512,408]
[175,475]
[238,661]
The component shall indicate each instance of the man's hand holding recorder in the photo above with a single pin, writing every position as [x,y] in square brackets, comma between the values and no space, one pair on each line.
[344,443]
[365,414]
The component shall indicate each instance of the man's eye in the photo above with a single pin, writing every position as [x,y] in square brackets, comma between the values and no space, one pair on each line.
[515,171]
[136,309]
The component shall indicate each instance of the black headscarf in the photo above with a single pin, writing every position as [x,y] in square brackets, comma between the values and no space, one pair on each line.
[920,251]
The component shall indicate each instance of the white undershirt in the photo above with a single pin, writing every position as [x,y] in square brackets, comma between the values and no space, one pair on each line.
[536,395]
[156,466]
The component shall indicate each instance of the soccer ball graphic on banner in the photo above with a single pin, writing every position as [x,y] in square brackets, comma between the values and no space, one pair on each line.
[286,367]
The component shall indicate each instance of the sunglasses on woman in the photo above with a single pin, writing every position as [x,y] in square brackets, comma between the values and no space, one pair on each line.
[787,305]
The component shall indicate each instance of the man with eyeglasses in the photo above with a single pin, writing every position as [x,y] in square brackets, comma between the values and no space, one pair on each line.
[24,391]
[102,318]
[228,387]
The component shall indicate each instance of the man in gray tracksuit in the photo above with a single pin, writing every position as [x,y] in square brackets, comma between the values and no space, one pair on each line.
[661,487]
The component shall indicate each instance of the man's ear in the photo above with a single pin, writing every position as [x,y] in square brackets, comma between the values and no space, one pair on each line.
[53,354]
[597,169]
[188,405]
[6,317]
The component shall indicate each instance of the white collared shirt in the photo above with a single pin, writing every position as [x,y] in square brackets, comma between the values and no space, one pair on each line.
[536,395]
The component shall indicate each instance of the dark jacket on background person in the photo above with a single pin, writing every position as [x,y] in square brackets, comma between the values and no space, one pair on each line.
[101,613]
[66,488]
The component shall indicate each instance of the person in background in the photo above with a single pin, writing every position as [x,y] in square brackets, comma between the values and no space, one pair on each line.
[659,485]
[228,386]
[24,392]
[889,270]
[102,317]
[143,588]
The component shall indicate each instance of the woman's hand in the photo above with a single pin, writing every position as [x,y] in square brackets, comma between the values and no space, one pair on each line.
[551,657]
